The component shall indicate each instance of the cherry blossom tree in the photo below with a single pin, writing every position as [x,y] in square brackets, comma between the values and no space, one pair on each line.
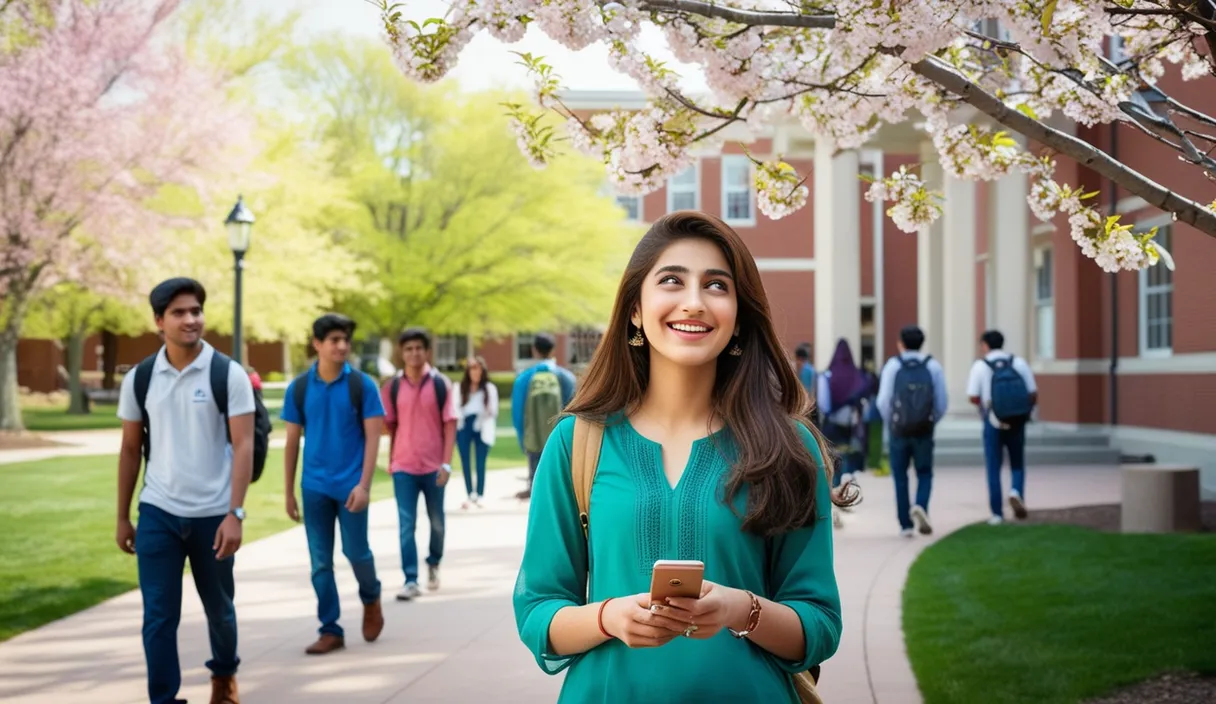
[843,68]
[98,117]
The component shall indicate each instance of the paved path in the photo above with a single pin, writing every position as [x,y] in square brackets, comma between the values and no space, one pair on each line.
[460,644]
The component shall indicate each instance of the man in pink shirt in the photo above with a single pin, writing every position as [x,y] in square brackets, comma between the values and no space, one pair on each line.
[420,451]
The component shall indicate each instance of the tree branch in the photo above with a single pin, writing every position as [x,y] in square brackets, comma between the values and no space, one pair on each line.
[1085,154]
[749,17]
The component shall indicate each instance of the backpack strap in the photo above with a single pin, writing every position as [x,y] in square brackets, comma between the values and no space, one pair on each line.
[584,460]
[299,391]
[143,379]
[219,386]
[393,388]
[354,384]
[441,395]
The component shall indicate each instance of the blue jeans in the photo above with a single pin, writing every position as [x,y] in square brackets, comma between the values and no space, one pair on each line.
[996,442]
[406,487]
[469,439]
[841,438]
[320,513]
[163,543]
[917,451]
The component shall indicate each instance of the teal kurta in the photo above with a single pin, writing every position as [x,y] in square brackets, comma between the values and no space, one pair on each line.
[636,518]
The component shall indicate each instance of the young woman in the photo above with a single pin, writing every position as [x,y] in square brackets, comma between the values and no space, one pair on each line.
[478,403]
[706,456]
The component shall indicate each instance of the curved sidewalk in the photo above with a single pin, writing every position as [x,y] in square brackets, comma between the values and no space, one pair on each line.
[460,644]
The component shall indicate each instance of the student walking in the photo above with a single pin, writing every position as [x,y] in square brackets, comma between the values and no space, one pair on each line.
[338,408]
[912,399]
[538,396]
[842,390]
[179,408]
[477,400]
[420,413]
[692,465]
[807,376]
[1003,387]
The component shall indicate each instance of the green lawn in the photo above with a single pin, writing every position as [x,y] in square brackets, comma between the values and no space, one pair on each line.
[57,523]
[1057,614]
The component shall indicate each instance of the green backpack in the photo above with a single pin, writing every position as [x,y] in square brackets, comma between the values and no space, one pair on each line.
[542,406]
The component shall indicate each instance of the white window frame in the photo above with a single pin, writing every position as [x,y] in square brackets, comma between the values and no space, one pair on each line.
[1145,290]
[738,159]
[637,199]
[1044,349]
[519,339]
[694,188]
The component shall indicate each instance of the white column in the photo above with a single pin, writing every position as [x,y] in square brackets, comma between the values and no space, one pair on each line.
[837,251]
[1009,249]
[958,345]
[929,262]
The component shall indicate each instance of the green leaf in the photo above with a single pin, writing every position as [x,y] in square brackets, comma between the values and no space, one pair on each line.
[1028,111]
[1049,11]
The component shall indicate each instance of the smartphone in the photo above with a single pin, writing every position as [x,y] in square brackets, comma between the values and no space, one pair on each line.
[676,578]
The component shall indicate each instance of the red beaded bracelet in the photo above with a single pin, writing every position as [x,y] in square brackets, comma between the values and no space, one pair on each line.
[600,619]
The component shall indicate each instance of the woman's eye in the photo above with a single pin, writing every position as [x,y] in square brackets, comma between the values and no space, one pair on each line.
[720,284]
[669,280]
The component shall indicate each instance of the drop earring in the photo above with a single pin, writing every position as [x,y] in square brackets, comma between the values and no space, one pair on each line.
[735,350]
[637,340]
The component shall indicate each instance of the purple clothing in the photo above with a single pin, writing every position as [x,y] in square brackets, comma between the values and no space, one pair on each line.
[847,382]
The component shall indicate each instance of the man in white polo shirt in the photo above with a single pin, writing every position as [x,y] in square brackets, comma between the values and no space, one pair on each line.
[190,507]
[1003,387]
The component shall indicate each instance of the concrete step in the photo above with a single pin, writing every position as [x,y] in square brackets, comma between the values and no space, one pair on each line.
[1050,440]
[1035,455]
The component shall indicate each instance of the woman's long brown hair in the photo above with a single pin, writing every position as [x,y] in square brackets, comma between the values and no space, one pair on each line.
[757,394]
[466,383]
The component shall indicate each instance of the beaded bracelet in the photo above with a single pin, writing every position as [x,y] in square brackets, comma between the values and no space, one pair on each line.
[753,619]
[600,619]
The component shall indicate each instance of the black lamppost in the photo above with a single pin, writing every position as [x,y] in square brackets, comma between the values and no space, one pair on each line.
[239,224]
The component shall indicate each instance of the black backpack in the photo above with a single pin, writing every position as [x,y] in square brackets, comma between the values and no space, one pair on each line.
[299,391]
[912,406]
[219,392]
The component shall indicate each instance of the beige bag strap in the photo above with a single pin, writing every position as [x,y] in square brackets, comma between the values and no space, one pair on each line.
[584,459]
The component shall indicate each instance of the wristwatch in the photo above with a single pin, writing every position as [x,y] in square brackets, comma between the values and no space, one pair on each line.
[446,467]
[239,513]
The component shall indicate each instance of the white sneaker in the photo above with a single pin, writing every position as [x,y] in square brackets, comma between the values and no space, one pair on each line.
[410,591]
[996,520]
[1018,506]
[921,519]
[432,577]
[907,533]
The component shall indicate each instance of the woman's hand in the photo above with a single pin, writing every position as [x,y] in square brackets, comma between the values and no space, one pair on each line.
[717,608]
[630,620]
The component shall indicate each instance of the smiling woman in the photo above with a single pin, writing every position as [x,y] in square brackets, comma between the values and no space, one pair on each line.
[704,458]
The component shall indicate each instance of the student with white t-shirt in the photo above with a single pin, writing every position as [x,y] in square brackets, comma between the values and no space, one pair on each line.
[1006,434]
[190,506]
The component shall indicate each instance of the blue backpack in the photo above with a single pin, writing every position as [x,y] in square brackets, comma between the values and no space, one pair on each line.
[912,407]
[1010,397]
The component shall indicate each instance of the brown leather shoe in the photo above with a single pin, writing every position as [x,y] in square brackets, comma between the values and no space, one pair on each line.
[373,621]
[327,643]
[223,690]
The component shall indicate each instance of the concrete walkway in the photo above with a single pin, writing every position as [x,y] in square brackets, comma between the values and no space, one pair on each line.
[460,644]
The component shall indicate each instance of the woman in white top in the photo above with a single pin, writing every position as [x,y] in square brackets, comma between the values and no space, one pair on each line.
[477,400]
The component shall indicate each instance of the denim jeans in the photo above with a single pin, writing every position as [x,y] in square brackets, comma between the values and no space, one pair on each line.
[996,442]
[917,451]
[163,543]
[840,439]
[320,514]
[468,440]
[407,487]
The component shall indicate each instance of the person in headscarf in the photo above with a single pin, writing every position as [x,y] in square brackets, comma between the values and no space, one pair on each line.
[842,390]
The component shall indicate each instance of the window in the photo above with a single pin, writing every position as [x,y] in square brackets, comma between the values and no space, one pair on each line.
[523,346]
[1044,305]
[682,190]
[450,351]
[581,344]
[1157,303]
[632,206]
[737,201]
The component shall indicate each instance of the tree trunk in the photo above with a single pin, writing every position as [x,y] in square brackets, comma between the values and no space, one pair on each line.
[109,358]
[75,344]
[10,404]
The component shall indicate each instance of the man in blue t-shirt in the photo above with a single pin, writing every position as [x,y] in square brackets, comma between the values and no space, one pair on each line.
[339,406]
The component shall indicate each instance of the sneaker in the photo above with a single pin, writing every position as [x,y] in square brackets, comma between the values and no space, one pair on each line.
[477,501]
[432,577]
[906,533]
[411,591]
[996,520]
[1018,506]
[921,519]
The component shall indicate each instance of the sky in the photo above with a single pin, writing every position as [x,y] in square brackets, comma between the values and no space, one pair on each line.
[486,62]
